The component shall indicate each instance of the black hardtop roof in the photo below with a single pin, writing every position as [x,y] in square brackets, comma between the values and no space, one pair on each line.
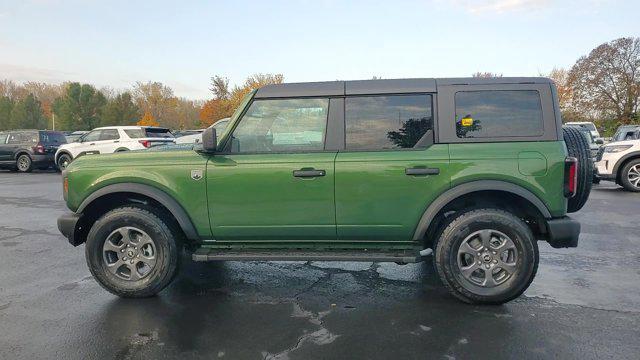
[383,86]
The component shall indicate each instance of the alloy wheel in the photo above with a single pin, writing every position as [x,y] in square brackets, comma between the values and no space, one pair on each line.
[129,253]
[487,258]
[634,175]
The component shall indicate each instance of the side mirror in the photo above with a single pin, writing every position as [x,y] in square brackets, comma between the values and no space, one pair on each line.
[209,140]
[599,141]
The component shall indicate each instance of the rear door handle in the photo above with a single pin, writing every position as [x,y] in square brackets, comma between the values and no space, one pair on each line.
[307,173]
[421,171]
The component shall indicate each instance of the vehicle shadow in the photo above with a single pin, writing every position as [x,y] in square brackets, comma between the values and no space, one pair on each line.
[270,309]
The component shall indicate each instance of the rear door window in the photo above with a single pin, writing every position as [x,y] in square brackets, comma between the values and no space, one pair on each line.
[498,113]
[387,122]
[109,134]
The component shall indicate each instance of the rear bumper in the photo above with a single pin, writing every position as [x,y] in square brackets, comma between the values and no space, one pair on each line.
[563,232]
[67,224]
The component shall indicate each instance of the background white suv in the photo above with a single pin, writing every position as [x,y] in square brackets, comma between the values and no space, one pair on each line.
[110,139]
[586,125]
[620,162]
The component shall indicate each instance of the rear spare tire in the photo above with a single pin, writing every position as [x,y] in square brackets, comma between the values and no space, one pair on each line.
[578,147]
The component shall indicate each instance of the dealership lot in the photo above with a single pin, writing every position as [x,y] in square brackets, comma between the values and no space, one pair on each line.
[584,302]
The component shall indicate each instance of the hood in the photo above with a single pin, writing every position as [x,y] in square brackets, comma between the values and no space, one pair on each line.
[138,159]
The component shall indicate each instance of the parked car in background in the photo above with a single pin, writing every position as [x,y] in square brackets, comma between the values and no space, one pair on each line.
[23,150]
[593,150]
[626,132]
[620,162]
[181,133]
[589,126]
[110,139]
[220,127]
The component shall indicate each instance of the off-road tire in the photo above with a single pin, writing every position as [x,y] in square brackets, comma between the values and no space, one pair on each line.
[167,243]
[624,175]
[24,164]
[465,224]
[578,147]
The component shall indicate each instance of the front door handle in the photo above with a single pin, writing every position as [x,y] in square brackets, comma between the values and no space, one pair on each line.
[421,171]
[307,173]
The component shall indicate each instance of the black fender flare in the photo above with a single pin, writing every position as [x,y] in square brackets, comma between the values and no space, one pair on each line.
[158,195]
[121,149]
[622,160]
[466,188]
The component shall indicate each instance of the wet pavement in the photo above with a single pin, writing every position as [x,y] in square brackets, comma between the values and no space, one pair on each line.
[583,304]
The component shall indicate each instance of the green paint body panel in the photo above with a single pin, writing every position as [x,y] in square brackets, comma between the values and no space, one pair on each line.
[364,201]
[375,200]
[168,171]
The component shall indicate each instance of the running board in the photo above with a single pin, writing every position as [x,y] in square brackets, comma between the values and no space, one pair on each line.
[209,254]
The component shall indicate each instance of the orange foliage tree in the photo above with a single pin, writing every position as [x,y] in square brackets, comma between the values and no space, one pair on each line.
[225,101]
[147,120]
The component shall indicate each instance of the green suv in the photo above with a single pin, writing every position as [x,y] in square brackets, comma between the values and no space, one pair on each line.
[475,170]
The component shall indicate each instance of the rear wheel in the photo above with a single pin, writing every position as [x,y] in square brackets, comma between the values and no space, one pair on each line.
[578,147]
[132,252]
[486,256]
[630,176]
[24,163]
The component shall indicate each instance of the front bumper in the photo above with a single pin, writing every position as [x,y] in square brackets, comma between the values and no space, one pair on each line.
[68,226]
[563,232]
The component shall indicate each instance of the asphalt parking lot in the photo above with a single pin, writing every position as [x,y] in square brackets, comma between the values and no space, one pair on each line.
[583,304]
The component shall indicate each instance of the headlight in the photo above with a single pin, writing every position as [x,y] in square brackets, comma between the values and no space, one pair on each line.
[616,148]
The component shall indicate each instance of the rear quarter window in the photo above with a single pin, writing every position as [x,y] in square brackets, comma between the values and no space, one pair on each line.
[135,133]
[498,113]
[49,137]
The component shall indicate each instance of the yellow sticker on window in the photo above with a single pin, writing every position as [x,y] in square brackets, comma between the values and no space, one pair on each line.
[466,121]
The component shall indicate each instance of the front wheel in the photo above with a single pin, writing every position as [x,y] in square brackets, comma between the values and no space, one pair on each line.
[486,256]
[132,252]
[630,176]
[63,161]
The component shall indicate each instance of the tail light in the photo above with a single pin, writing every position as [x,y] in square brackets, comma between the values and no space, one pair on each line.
[38,149]
[65,188]
[570,176]
[145,143]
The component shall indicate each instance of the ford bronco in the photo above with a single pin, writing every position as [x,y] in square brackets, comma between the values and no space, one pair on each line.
[474,170]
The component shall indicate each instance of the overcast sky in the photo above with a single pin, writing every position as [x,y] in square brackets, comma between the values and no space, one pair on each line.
[183,43]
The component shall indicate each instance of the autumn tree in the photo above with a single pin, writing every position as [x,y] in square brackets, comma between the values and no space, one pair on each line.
[156,99]
[79,108]
[480,74]
[225,101]
[147,120]
[6,105]
[27,114]
[120,110]
[607,81]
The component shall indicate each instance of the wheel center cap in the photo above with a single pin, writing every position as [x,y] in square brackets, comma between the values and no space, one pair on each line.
[486,258]
[130,253]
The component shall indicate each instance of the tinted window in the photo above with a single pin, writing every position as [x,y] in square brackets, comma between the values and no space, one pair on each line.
[23,138]
[135,133]
[3,138]
[282,125]
[158,133]
[48,137]
[387,122]
[109,134]
[92,136]
[483,114]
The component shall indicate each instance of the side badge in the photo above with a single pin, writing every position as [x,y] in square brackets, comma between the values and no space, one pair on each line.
[196,174]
